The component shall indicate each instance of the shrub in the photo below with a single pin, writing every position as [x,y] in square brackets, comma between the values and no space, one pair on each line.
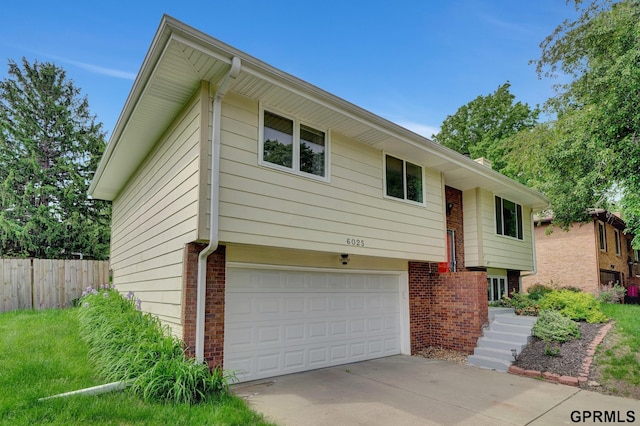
[575,305]
[537,291]
[611,293]
[553,326]
[521,303]
[128,345]
[570,288]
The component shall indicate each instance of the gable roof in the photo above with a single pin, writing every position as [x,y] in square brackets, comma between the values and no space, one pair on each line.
[180,57]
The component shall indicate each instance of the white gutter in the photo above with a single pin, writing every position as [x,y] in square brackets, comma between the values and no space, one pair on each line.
[533,250]
[201,292]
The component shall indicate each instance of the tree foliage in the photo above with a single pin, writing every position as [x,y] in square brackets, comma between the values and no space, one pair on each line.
[50,146]
[598,110]
[479,127]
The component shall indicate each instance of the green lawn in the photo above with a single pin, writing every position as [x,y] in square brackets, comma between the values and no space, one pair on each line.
[621,360]
[41,354]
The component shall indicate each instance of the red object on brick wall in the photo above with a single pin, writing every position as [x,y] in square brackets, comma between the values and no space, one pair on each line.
[214,304]
[443,267]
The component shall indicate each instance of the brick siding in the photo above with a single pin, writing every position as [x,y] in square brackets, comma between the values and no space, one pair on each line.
[566,258]
[573,258]
[446,310]
[214,307]
[513,282]
[454,223]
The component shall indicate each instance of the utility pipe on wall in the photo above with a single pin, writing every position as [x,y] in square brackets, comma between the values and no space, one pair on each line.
[201,291]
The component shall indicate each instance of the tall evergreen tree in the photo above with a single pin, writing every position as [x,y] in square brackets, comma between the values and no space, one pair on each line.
[50,145]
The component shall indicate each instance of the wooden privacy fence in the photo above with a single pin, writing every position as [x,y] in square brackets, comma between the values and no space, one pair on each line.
[47,283]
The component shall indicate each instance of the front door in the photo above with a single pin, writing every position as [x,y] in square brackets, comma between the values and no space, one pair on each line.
[497,287]
[451,250]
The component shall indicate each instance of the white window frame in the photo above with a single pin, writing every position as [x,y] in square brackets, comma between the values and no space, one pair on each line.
[490,279]
[404,176]
[602,237]
[295,160]
[495,230]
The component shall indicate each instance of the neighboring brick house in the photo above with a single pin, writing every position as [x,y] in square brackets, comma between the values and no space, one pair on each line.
[277,228]
[586,256]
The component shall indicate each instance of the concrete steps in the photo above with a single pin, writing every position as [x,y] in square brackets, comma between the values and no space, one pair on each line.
[507,332]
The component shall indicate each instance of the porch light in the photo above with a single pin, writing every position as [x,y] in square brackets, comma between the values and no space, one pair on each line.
[344,258]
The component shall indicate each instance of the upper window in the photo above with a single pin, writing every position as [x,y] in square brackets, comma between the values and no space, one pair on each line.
[602,236]
[403,180]
[288,144]
[508,218]
[616,234]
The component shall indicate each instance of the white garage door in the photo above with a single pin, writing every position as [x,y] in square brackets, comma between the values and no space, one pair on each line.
[282,321]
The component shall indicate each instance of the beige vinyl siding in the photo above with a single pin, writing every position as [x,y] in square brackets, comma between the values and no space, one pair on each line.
[310,259]
[472,235]
[267,207]
[155,216]
[488,249]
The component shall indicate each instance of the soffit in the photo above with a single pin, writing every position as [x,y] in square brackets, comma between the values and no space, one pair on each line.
[181,57]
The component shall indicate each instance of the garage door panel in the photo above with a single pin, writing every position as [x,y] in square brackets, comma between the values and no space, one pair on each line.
[279,322]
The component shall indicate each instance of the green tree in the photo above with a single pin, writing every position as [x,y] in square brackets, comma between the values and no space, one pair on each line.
[50,146]
[479,127]
[598,109]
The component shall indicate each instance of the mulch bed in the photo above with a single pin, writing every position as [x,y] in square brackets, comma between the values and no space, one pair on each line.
[568,361]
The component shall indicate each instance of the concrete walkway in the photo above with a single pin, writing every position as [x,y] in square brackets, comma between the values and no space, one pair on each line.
[404,390]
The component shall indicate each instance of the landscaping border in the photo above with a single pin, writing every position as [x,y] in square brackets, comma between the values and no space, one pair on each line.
[568,380]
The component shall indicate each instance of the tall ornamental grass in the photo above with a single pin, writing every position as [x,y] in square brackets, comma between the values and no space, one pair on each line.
[128,345]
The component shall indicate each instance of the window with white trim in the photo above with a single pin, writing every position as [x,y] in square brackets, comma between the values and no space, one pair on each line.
[496,287]
[602,236]
[508,218]
[403,180]
[287,144]
[616,234]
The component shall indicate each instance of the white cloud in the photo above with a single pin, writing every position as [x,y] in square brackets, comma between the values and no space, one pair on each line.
[419,128]
[111,72]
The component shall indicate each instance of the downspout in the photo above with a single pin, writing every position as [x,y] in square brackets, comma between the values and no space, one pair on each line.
[533,250]
[201,292]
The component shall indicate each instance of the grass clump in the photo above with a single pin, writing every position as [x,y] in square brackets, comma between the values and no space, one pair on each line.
[42,354]
[621,361]
[128,345]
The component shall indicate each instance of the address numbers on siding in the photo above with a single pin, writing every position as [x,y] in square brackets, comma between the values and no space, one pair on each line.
[357,242]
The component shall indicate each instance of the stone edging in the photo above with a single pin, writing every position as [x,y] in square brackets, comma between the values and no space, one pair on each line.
[568,380]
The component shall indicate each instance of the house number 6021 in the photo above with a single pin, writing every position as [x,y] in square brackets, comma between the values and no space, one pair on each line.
[355,242]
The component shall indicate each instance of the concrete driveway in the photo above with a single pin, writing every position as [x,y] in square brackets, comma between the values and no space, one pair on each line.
[404,390]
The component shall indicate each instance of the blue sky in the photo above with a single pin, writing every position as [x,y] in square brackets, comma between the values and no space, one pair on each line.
[412,62]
